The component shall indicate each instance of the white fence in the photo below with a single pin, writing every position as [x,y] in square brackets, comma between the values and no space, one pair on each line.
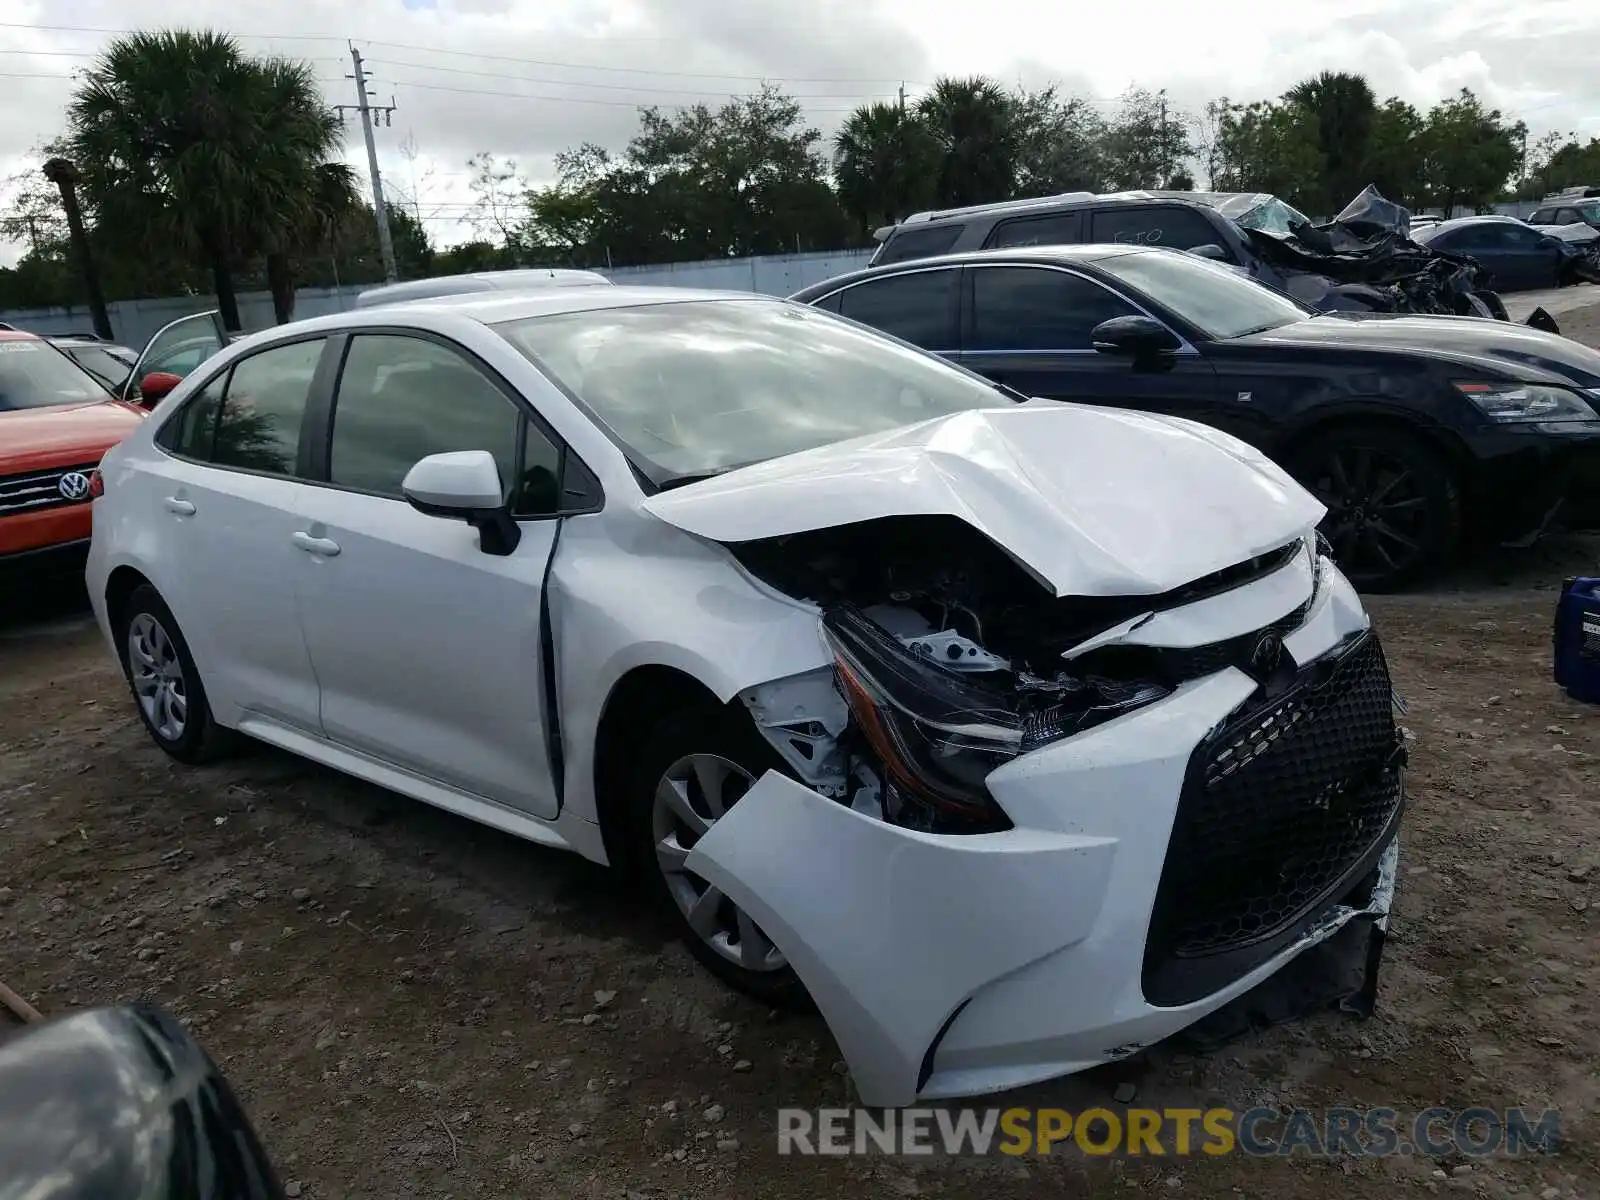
[133,321]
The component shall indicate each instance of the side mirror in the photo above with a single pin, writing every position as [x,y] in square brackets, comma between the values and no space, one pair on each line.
[464,485]
[1210,250]
[123,1102]
[1139,338]
[1550,242]
[154,387]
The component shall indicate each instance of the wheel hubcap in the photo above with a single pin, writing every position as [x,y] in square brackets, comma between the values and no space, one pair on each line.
[157,675]
[1377,520]
[692,794]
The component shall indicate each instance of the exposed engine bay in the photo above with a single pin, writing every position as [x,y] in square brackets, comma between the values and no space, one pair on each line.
[951,659]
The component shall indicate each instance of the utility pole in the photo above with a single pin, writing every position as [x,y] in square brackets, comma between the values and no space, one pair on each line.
[902,97]
[379,206]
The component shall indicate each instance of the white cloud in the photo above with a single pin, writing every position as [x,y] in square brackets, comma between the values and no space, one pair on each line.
[527,78]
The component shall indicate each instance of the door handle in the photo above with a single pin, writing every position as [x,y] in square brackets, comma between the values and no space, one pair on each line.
[183,508]
[322,547]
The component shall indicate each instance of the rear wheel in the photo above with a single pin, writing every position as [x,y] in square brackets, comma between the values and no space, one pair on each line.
[692,768]
[165,683]
[1394,510]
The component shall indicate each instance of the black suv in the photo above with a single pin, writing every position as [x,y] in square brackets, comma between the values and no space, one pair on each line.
[1075,217]
[1413,430]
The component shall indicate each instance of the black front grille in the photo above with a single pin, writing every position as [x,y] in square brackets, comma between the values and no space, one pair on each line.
[1284,807]
[40,489]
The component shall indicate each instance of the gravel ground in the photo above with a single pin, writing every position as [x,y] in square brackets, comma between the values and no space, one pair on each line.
[411,1005]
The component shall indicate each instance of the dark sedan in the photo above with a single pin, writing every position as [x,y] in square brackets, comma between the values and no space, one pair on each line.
[1416,431]
[1517,256]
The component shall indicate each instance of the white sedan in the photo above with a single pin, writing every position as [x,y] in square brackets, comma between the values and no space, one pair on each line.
[1015,735]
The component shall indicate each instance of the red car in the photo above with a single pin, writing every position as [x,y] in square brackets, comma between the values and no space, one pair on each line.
[56,421]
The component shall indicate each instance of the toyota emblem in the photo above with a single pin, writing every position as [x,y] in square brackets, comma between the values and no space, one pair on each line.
[1266,656]
[74,485]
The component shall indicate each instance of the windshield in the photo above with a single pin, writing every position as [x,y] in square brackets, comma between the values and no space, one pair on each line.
[1272,216]
[1589,210]
[1216,301]
[693,388]
[34,374]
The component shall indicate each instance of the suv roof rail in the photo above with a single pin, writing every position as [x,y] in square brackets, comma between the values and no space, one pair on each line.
[973,210]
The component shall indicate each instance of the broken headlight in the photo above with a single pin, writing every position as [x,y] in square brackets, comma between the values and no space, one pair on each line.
[937,733]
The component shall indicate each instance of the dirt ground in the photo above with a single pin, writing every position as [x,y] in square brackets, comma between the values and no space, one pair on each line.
[414,1006]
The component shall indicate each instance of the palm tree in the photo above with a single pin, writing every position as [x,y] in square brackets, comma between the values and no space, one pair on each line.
[305,196]
[183,140]
[1345,109]
[973,121]
[884,162]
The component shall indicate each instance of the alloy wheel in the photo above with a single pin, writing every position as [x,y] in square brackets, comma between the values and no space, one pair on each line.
[689,798]
[1378,518]
[157,676]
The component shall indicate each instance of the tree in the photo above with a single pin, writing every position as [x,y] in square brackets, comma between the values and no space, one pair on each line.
[884,163]
[1468,152]
[499,198]
[1145,144]
[1342,111]
[973,121]
[185,142]
[1268,147]
[1556,162]
[1061,144]
[1394,164]
[746,178]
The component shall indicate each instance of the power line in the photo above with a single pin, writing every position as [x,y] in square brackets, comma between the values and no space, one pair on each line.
[434,87]
[473,54]
[616,87]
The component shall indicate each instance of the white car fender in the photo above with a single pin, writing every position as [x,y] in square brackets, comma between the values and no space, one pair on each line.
[891,930]
[698,617]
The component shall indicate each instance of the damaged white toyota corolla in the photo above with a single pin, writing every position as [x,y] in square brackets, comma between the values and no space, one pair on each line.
[1017,736]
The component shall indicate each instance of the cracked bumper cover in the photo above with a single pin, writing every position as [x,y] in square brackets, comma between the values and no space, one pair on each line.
[950,965]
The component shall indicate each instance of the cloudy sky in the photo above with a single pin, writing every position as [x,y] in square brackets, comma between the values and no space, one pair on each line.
[525,79]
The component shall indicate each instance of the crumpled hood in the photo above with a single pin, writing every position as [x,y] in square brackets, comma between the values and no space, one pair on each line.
[1095,501]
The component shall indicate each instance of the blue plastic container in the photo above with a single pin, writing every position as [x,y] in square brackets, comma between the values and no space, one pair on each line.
[1578,639]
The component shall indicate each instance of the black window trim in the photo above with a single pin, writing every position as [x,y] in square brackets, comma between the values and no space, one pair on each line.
[952,324]
[224,373]
[1185,348]
[1082,213]
[322,408]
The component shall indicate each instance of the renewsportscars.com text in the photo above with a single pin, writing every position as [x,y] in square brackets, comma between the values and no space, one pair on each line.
[1256,1132]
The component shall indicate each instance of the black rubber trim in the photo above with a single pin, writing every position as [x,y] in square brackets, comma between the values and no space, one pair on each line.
[925,1072]
[547,659]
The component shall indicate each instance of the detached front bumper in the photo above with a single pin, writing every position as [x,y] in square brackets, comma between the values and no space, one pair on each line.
[955,965]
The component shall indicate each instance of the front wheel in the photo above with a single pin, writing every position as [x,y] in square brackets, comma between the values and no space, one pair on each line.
[691,769]
[1394,510]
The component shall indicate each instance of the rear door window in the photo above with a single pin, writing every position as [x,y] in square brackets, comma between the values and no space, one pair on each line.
[918,306]
[1057,229]
[1038,309]
[1545,216]
[1174,227]
[909,243]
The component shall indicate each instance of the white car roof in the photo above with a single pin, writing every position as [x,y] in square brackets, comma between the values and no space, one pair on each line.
[478,281]
[493,307]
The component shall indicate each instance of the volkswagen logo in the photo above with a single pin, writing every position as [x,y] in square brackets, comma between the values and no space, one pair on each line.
[74,485]
[1266,656]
